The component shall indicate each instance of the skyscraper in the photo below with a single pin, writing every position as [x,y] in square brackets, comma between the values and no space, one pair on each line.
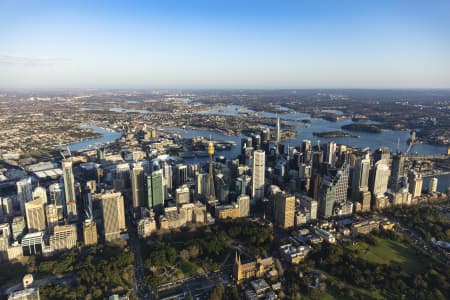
[137,185]
[284,208]
[380,178]
[327,197]
[35,214]
[360,181]
[415,183]
[258,175]
[155,191]
[166,168]
[341,182]
[69,190]
[211,189]
[57,198]
[432,185]
[121,176]
[113,214]
[333,190]
[331,153]
[24,193]
[181,174]
[382,153]
[398,171]
[278,131]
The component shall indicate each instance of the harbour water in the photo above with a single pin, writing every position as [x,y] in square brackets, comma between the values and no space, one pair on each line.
[388,138]
[108,136]
[394,139]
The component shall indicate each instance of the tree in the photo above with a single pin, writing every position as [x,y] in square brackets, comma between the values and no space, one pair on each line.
[184,254]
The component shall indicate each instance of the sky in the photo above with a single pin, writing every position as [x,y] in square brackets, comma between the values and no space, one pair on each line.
[225,44]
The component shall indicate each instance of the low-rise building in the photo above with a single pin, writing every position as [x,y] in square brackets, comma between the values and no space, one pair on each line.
[230,211]
[146,227]
[364,227]
[325,235]
[294,254]
[253,269]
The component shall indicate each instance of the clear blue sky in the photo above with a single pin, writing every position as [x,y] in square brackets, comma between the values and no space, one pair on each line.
[225,44]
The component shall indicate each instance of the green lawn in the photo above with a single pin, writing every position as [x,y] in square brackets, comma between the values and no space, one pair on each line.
[332,292]
[386,251]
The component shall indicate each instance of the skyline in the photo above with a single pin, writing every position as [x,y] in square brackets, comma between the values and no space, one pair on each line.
[204,45]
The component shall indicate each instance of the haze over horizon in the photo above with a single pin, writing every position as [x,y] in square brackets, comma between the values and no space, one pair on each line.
[227,44]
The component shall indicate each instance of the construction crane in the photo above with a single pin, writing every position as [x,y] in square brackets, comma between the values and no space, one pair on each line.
[411,141]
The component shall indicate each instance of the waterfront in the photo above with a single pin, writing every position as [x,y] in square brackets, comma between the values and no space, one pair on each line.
[389,138]
[108,136]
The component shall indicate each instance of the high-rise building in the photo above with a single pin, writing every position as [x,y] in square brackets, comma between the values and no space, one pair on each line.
[201,183]
[258,175]
[360,181]
[35,213]
[69,190]
[181,174]
[18,227]
[64,237]
[333,191]
[327,196]
[51,213]
[113,214]
[398,171]
[56,193]
[311,205]
[211,188]
[166,168]
[121,179]
[331,153]
[155,191]
[415,183]
[222,188]
[5,233]
[432,185]
[284,208]
[341,182]
[6,206]
[240,185]
[40,192]
[33,243]
[382,153]
[138,186]
[90,236]
[24,193]
[379,178]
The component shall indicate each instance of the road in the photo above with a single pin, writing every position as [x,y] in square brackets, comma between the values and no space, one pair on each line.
[416,240]
[198,286]
[141,290]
